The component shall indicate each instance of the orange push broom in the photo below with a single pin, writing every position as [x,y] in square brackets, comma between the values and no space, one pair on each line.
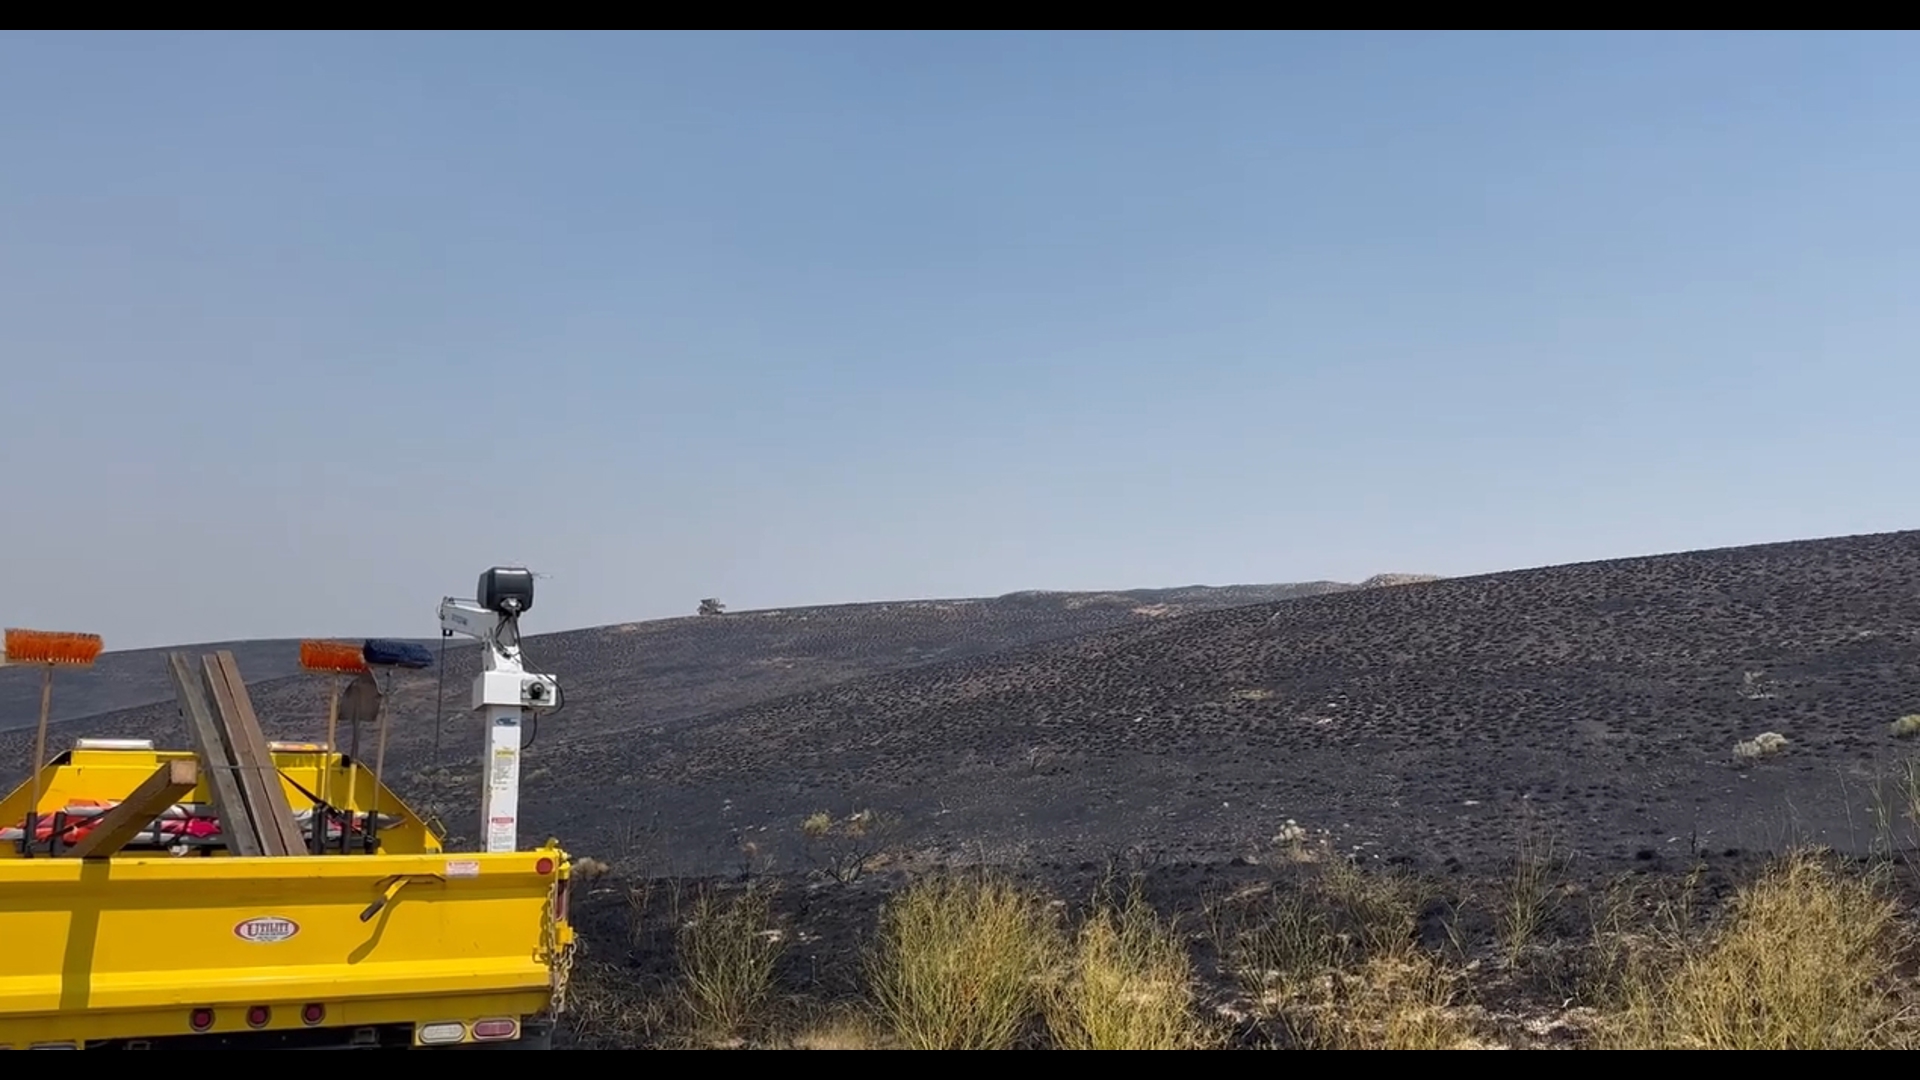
[50,649]
[336,658]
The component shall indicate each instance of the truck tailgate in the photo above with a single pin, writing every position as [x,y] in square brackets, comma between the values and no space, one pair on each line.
[143,938]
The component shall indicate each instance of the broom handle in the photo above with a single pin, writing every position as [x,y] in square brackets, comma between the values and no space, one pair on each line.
[353,783]
[39,758]
[325,809]
[380,751]
[333,725]
[379,769]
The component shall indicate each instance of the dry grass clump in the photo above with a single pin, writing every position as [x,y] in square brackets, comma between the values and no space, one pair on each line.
[1277,942]
[1806,959]
[1128,985]
[727,954]
[960,962]
[1526,904]
[1406,1000]
[1764,745]
[1337,964]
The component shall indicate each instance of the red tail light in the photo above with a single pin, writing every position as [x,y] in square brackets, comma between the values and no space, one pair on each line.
[313,1014]
[543,866]
[495,1029]
[258,1015]
[200,1019]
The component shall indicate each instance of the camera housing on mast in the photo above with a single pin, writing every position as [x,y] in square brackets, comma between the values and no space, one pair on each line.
[506,591]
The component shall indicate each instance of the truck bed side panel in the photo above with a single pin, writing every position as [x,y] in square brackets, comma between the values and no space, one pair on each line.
[162,936]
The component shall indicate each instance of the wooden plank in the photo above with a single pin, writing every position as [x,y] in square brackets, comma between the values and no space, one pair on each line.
[256,782]
[223,782]
[118,826]
[276,791]
[245,769]
[271,811]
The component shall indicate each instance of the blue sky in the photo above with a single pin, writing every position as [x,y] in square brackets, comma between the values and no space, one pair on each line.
[300,332]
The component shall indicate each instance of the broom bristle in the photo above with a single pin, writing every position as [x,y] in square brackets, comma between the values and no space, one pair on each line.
[332,656]
[51,647]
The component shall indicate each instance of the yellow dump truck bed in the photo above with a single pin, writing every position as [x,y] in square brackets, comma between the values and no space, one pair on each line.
[195,947]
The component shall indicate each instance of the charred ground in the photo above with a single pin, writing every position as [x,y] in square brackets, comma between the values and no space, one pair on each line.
[628,681]
[1602,702]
